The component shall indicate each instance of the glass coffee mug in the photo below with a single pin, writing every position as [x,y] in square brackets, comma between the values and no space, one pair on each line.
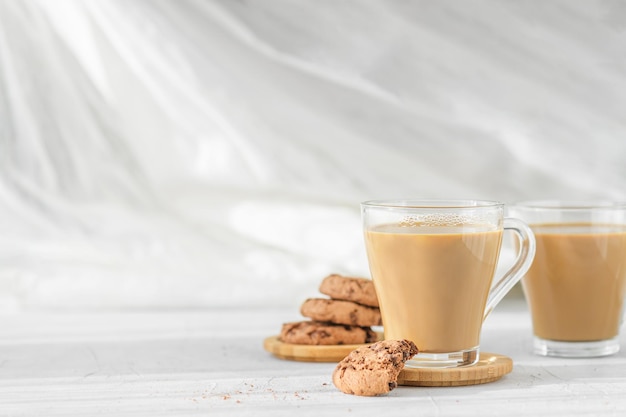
[433,264]
[575,288]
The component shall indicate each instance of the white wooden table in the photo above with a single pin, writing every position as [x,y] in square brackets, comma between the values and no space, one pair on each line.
[212,363]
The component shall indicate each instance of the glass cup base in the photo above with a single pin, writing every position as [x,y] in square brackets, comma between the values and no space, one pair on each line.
[444,360]
[544,347]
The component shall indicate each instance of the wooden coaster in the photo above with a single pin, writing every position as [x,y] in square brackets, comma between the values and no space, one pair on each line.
[490,367]
[309,353]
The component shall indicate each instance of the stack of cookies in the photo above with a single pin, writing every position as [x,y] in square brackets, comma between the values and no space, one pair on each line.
[343,319]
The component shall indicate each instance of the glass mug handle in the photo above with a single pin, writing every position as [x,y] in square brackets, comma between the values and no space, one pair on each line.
[520,267]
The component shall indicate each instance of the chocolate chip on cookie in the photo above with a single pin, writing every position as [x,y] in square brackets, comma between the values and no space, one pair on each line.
[373,370]
[318,333]
[358,290]
[341,312]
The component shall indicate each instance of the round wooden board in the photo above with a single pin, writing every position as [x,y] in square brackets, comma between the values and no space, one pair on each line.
[309,353]
[490,367]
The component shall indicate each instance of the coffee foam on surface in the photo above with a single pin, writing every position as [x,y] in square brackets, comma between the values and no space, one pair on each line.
[450,220]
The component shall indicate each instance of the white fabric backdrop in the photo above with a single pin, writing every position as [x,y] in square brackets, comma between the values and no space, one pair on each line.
[198,153]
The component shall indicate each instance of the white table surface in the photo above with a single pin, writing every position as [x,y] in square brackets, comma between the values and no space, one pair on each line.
[212,362]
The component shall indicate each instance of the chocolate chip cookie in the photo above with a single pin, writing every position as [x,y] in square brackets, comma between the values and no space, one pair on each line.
[373,370]
[341,312]
[358,290]
[319,333]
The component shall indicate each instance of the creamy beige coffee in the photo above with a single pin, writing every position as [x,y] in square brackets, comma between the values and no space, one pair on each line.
[575,286]
[436,279]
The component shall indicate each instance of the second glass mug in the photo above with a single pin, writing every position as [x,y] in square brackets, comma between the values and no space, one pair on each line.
[576,287]
[433,264]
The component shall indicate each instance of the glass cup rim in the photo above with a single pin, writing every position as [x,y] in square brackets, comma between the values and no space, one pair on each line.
[436,204]
[569,205]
